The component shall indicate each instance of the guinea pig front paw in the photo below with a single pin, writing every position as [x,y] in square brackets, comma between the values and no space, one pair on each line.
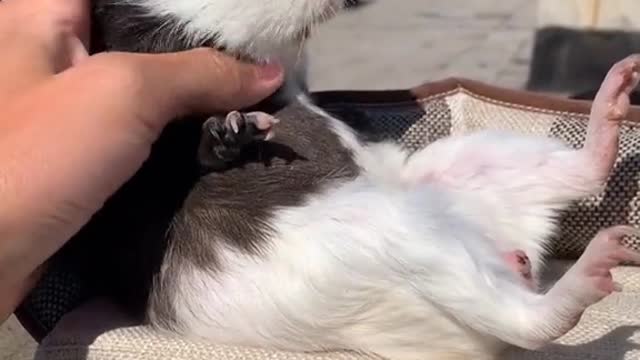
[223,139]
[247,127]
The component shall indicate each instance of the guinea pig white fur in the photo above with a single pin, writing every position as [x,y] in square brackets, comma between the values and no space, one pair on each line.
[264,30]
[257,30]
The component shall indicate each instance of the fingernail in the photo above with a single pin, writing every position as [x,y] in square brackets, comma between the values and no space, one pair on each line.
[270,71]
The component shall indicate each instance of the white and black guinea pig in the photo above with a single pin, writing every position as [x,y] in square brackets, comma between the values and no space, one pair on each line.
[291,230]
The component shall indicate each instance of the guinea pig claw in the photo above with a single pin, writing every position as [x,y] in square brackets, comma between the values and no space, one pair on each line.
[270,135]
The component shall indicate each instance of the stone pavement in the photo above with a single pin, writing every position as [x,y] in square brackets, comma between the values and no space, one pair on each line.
[397,44]
[402,43]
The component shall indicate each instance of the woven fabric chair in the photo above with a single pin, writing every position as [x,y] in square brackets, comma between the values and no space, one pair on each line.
[67,329]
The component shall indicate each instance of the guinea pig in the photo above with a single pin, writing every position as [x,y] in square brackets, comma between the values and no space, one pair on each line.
[302,236]
[289,230]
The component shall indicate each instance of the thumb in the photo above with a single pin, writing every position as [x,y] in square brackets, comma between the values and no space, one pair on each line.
[206,81]
[209,81]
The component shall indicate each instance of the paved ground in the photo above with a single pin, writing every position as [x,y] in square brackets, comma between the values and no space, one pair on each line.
[390,44]
[397,44]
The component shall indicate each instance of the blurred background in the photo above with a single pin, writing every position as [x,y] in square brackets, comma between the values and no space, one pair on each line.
[562,47]
[381,44]
[558,46]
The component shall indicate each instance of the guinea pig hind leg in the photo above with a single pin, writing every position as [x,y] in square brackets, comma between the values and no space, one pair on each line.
[609,107]
[520,317]
[589,280]
[223,138]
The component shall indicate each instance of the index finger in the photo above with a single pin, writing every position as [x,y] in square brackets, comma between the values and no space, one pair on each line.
[57,31]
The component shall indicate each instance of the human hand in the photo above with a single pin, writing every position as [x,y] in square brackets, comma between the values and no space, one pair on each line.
[74,128]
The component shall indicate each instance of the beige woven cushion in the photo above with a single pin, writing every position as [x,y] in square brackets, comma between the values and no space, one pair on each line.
[416,117]
[97,331]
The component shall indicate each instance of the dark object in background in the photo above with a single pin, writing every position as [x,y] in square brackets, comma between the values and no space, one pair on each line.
[575,61]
